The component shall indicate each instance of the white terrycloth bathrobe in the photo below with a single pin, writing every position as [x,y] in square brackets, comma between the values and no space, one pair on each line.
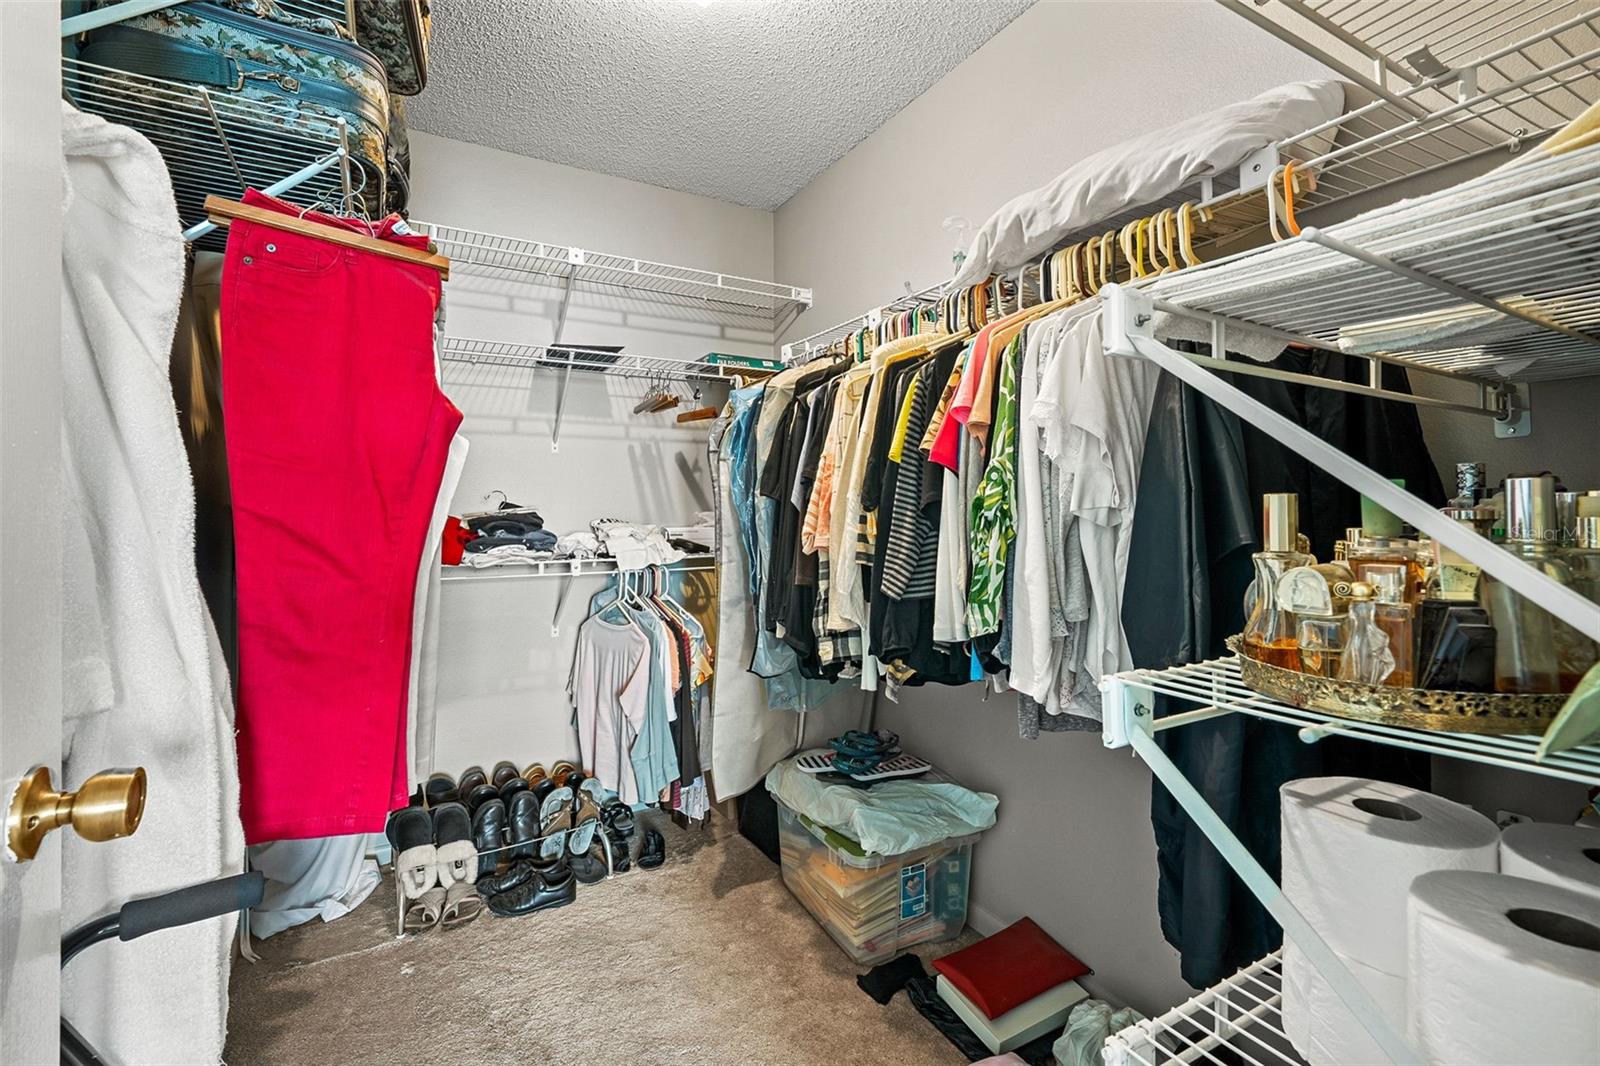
[145,683]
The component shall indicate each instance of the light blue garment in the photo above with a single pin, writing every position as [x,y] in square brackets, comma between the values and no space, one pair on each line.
[890,818]
[773,660]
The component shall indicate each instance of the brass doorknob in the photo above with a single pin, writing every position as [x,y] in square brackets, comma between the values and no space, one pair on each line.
[108,806]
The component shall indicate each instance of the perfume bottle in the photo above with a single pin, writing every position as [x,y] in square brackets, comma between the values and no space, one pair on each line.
[1583,558]
[1269,634]
[1318,597]
[1367,656]
[1393,615]
[1363,550]
[1534,650]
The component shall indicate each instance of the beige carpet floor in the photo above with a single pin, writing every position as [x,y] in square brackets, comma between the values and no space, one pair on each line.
[707,960]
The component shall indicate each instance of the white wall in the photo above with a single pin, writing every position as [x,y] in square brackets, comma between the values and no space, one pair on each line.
[1073,845]
[502,675]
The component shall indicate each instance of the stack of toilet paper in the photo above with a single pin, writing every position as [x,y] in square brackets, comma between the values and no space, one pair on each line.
[1351,849]
[1471,965]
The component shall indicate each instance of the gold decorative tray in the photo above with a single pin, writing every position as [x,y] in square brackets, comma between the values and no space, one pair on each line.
[1416,708]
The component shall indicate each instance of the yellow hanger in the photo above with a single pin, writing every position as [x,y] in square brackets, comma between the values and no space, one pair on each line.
[1108,249]
[1186,218]
[1288,199]
[1125,243]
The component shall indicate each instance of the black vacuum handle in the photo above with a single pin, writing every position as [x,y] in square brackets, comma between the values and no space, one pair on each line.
[193,904]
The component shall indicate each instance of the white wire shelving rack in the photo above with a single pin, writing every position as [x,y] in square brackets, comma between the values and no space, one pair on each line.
[213,142]
[1444,81]
[511,258]
[1494,277]
[568,570]
[569,357]
[798,350]
[1238,1022]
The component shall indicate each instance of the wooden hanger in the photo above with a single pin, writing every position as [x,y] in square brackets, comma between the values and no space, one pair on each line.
[224,212]
[699,414]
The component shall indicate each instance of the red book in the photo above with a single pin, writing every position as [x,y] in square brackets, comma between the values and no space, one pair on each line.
[1004,971]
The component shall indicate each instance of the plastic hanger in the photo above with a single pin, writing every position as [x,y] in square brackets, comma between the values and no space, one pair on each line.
[1288,199]
[1186,219]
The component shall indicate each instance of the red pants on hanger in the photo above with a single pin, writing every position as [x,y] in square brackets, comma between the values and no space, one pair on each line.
[337,438]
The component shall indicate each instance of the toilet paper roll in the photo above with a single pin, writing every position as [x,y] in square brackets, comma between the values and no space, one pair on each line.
[1565,855]
[1351,848]
[1322,1029]
[1503,969]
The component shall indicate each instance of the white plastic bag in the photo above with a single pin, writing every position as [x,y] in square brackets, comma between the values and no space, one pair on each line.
[1082,1041]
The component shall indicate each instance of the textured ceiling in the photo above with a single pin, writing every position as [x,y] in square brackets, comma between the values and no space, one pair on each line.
[741,100]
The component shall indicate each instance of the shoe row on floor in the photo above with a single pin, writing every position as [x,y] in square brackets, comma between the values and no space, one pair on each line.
[525,839]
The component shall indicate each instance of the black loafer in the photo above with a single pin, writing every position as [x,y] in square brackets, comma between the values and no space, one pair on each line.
[480,795]
[512,877]
[503,771]
[440,789]
[537,893]
[511,787]
[543,789]
[654,852]
[488,836]
[523,815]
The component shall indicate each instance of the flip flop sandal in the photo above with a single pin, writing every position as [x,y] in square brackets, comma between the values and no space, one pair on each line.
[585,819]
[900,766]
[561,771]
[461,904]
[555,819]
[416,860]
[452,839]
[423,912]
[617,816]
[534,773]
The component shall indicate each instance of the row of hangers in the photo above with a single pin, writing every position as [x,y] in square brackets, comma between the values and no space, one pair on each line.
[629,599]
[658,397]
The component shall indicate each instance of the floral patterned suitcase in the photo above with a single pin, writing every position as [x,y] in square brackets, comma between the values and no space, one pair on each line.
[396,31]
[253,49]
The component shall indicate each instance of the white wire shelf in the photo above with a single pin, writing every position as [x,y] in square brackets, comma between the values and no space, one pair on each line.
[797,350]
[212,142]
[514,258]
[462,350]
[1473,76]
[1217,687]
[1237,1022]
[1497,278]
[563,568]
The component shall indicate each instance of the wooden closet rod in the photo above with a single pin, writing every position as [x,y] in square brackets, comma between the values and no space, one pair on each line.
[223,212]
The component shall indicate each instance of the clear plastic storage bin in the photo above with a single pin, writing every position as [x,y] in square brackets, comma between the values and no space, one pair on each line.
[874,906]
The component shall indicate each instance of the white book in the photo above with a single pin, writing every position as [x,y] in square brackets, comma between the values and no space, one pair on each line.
[1043,1013]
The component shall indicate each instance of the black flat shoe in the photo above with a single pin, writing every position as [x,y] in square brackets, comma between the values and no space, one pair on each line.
[654,852]
[543,789]
[511,787]
[440,789]
[488,836]
[512,877]
[537,893]
[523,818]
[503,771]
[479,795]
